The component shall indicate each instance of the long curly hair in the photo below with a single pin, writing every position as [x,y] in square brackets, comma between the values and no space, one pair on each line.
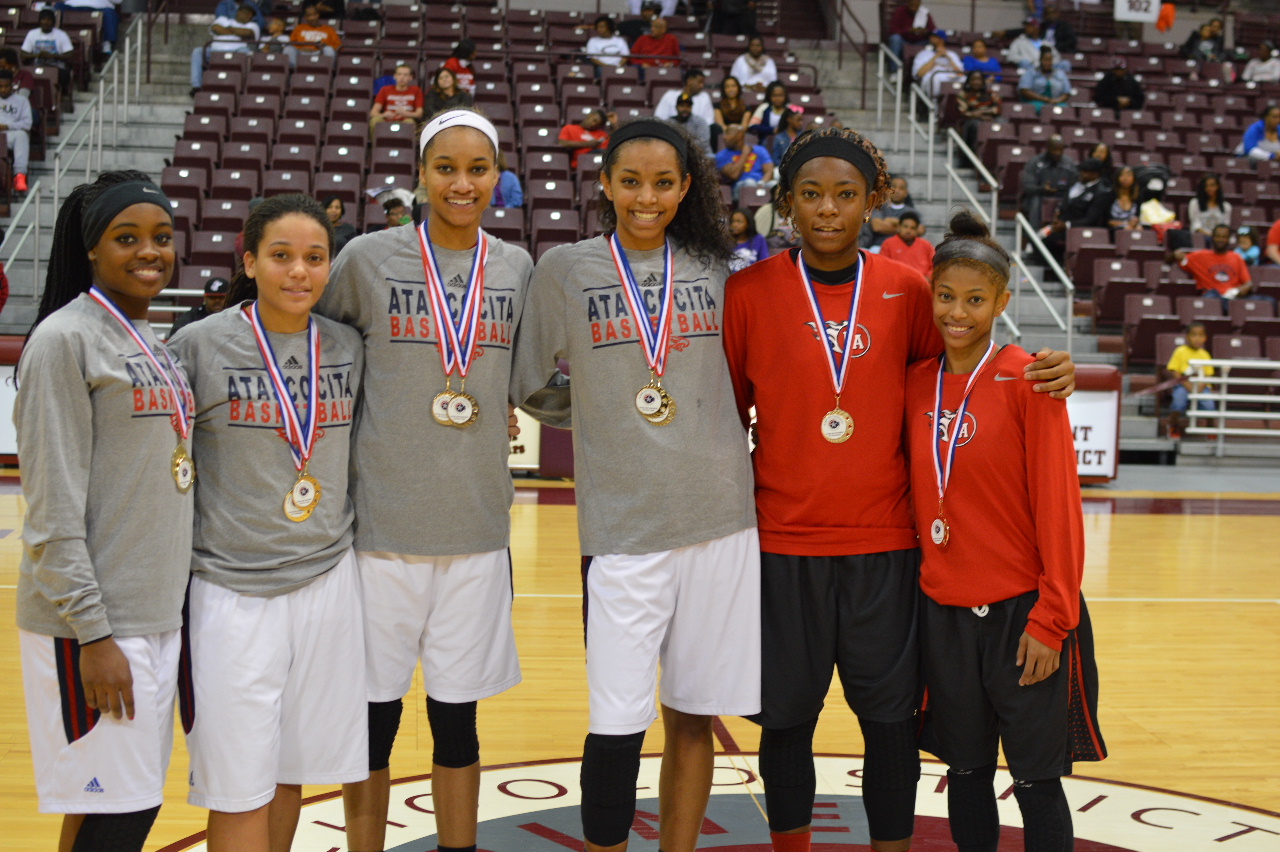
[699,226]
[875,194]
[244,288]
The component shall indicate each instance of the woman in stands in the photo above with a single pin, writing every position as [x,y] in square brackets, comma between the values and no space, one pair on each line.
[462,62]
[431,482]
[1208,209]
[731,109]
[277,656]
[445,93]
[1262,138]
[342,231]
[103,418]
[765,120]
[664,503]
[1124,201]
[818,340]
[1006,645]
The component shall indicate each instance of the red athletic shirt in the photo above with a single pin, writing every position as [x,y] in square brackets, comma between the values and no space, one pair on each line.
[1213,271]
[394,100]
[815,498]
[648,45]
[1013,501]
[918,255]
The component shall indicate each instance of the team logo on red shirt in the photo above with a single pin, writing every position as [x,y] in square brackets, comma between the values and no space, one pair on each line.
[947,427]
[838,337]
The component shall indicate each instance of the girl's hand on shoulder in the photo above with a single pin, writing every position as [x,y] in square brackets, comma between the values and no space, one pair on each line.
[1055,371]
[1037,660]
[106,678]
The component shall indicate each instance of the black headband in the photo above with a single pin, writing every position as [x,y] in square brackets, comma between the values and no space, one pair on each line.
[833,146]
[650,128]
[107,206]
[967,249]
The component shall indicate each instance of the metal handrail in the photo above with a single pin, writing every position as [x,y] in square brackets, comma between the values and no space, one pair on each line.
[1064,322]
[928,131]
[1221,396]
[956,143]
[861,47]
[23,231]
[886,82]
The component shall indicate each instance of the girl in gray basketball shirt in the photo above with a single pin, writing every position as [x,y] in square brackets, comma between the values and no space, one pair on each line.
[664,488]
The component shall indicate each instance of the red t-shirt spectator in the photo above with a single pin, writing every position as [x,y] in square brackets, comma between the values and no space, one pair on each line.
[463,74]
[648,45]
[393,100]
[578,133]
[918,255]
[1213,271]
[901,21]
[1272,248]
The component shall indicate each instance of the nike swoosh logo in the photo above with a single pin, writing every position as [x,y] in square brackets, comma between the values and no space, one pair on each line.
[892,295]
[1000,378]
[149,191]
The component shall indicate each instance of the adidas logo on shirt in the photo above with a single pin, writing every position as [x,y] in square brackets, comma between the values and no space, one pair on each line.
[651,281]
[292,363]
[94,787]
[457,282]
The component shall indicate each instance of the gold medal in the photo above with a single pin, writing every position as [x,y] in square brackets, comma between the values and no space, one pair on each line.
[184,468]
[463,410]
[837,425]
[940,531]
[306,491]
[294,512]
[440,406]
[655,404]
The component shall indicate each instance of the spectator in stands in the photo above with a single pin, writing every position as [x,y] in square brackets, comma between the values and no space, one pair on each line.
[742,164]
[1056,31]
[110,18]
[695,125]
[1272,248]
[754,70]
[1046,83]
[980,59]
[1218,271]
[1047,175]
[606,48]
[1262,138]
[1247,245]
[1124,201]
[1027,49]
[397,212]
[886,218]
[978,103]
[791,126]
[446,93]
[1205,44]
[657,43]
[343,232]
[1263,68]
[1088,204]
[937,65]
[237,34]
[749,246]
[908,247]
[276,39]
[694,83]
[401,101]
[15,123]
[586,137]
[508,192]
[1208,209]
[215,299]
[666,8]
[23,80]
[733,17]
[311,36]
[227,9]
[50,45]
[329,9]
[1179,367]
[764,121]
[632,28]
[1118,89]
[460,62]
[1102,153]
[910,23]
[731,109]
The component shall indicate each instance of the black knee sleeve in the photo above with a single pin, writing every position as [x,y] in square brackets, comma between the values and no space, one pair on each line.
[786,767]
[1046,816]
[610,766]
[971,808]
[115,832]
[890,771]
[453,730]
[384,722]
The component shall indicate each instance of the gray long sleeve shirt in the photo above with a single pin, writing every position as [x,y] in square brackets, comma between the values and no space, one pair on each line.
[421,488]
[107,534]
[641,488]
[243,541]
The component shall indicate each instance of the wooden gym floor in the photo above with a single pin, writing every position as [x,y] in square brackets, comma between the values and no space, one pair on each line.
[1183,588]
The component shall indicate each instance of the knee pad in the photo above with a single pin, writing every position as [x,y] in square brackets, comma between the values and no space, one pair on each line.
[453,730]
[1046,816]
[786,767]
[384,723]
[890,771]
[115,832]
[971,809]
[610,766]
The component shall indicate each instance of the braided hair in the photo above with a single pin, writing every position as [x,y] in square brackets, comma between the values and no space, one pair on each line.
[875,194]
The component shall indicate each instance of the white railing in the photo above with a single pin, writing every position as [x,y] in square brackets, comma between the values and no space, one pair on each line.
[955,144]
[889,69]
[1023,229]
[1217,389]
[20,230]
[926,130]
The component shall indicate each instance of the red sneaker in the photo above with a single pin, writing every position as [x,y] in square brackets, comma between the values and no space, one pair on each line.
[20,183]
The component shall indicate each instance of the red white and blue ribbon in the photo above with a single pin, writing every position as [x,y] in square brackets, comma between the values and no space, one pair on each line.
[173,377]
[837,364]
[456,339]
[941,467]
[301,434]
[655,332]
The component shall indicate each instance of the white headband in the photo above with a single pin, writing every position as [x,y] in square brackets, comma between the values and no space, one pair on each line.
[457,118]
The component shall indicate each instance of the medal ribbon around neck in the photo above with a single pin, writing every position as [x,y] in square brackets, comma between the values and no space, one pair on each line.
[653,340]
[837,365]
[172,376]
[941,469]
[456,341]
[301,435]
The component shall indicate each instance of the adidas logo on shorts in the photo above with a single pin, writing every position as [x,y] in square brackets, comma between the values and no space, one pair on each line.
[94,787]
[292,363]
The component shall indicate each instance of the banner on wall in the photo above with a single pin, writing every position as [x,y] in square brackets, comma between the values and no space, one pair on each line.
[1142,11]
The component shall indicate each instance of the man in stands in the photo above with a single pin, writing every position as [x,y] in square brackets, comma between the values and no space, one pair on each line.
[743,164]
[1048,175]
[401,101]
[657,43]
[586,137]
[110,18]
[1026,48]
[49,45]
[698,129]
[1218,271]
[694,82]
[1119,89]
[311,36]
[886,218]
[632,28]
[23,80]
[936,65]
[1088,205]
[1046,83]
[753,70]
[15,123]
[911,24]
[1056,31]
[215,299]
[238,34]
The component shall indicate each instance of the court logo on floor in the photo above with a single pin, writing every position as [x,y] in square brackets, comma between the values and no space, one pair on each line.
[534,808]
